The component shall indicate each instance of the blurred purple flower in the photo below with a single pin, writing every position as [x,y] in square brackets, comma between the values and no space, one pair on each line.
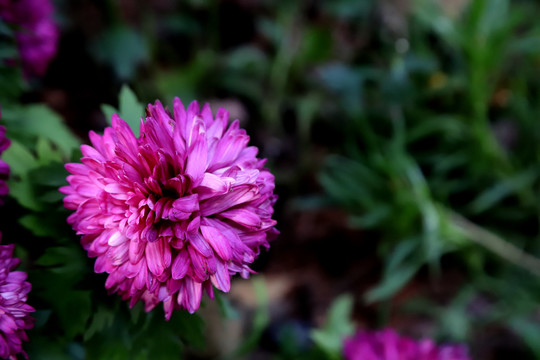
[388,345]
[36,33]
[181,208]
[14,312]
[4,168]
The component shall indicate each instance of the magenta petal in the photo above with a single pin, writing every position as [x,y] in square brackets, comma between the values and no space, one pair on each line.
[243,217]
[77,169]
[194,225]
[180,265]
[196,164]
[136,250]
[218,242]
[238,195]
[198,270]
[221,279]
[116,239]
[199,243]
[216,183]
[194,292]
[206,114]
[179,114]
[155,254]
[90,152]
[187,204]
[220,124]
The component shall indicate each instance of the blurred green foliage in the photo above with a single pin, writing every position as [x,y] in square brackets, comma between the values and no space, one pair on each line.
[441,157]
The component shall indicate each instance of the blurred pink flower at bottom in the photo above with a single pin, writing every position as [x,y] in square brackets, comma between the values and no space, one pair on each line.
[388,345]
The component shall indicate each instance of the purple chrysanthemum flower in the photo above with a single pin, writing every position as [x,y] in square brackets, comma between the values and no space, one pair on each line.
[37,34]
[4,168]
[14,311]
[181,208]
[388,345]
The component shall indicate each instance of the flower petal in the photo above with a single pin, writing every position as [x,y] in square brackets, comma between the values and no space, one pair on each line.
[180,265]
[218,242]
[199,243]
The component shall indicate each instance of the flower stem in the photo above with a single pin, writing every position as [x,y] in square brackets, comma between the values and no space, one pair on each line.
[496,244]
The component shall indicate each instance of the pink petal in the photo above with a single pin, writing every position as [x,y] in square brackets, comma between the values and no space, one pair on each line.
[196,161]
[187,204]
[194,294]
[199,243]
[180,265]
[218,242]
[243,217]
[158,257]
[221,279]
[116,239]
[239,194]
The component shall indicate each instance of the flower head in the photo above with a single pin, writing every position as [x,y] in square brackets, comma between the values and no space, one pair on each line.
[181,208]
[4,167]
[37,34]
[14,312]
[388,345]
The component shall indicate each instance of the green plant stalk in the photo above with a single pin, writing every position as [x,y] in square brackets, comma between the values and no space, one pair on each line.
[496,244]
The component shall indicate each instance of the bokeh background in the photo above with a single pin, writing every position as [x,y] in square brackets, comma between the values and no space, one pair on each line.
[405,140]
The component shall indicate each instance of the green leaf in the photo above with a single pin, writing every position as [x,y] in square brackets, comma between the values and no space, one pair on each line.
[529,331]
[75,312]
[45,348]
[19,159]
[188,327]
[11,85]
[102,317]
[347,83]
[68,261]
[372,218]
[316,45]
[248,60]
[493,195]
[392,283]
[123,48]
[49,176]
[35,121]
[431,15]
[337,327]
[41,316]
[46,153]
[23,192]
[130,109]
[401,252]
[38,225]
[261,318]
[456,321]
[225,306]
[135,312]
[108,111]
